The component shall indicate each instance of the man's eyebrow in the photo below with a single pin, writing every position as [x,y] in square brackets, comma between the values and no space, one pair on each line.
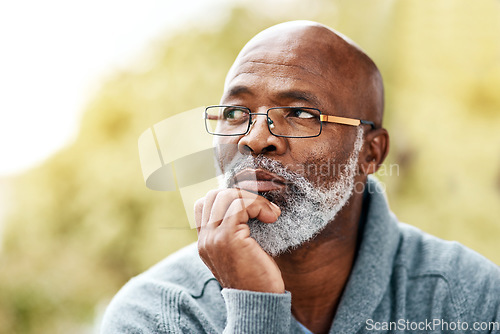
[299,96]
[238,90]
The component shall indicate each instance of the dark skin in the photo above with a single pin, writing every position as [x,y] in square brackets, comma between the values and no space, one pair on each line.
[295,64]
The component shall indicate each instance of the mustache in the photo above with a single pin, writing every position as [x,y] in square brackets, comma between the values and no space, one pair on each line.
[259,162]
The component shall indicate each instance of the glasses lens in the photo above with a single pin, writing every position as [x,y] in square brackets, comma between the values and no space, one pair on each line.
[294,122]
[226,120]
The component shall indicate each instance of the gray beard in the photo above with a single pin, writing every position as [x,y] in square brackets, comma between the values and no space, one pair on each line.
[305,209]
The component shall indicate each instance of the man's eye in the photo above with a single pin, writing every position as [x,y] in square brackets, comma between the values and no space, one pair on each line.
[301,113]
[234,113]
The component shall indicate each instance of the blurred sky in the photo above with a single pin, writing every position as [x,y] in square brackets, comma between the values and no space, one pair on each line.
[54,55]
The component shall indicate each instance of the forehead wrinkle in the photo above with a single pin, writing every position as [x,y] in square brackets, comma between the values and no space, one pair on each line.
[283,64]
[289,94]
[267,75]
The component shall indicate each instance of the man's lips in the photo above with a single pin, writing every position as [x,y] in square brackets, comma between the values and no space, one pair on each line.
[258,180]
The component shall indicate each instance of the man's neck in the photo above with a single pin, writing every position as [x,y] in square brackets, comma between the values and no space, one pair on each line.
[317,272]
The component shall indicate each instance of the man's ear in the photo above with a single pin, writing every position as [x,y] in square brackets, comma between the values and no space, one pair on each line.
[374,151]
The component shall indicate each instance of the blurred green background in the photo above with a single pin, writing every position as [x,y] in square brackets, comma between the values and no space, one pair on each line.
[83,223]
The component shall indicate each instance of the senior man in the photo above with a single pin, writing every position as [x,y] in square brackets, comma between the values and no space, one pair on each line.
[299,238]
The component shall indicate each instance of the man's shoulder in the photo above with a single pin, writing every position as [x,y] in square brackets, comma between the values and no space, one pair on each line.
[146,300]
[423,253]
[182,270]
[465,273]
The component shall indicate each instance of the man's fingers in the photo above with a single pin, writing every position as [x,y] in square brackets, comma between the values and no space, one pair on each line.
[234,206]
[241,210]
[262,209]
[275,208]
[269,216]
[208,204]
[221,204]
[236,212]
[225,244]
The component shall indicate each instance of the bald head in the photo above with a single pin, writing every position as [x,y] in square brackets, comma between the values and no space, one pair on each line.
[319,55]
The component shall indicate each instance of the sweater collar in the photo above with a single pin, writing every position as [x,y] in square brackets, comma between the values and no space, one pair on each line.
[372,269]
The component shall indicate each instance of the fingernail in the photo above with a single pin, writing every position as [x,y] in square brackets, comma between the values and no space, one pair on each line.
[276,208]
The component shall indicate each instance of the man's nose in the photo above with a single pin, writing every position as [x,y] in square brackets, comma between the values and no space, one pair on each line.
[259,140]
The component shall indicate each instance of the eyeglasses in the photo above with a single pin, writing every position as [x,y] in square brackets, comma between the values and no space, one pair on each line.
[290,122]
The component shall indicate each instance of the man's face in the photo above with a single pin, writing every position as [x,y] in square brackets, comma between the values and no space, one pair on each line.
[272,74]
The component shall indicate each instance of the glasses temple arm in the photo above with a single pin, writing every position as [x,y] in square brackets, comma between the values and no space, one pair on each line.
[345,120]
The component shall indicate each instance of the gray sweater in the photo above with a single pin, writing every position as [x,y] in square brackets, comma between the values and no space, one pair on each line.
[402,280]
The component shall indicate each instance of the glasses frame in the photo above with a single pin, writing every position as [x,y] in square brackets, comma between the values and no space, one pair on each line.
[322,118]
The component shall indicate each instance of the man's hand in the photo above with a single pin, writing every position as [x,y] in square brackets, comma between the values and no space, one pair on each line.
[225,245]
